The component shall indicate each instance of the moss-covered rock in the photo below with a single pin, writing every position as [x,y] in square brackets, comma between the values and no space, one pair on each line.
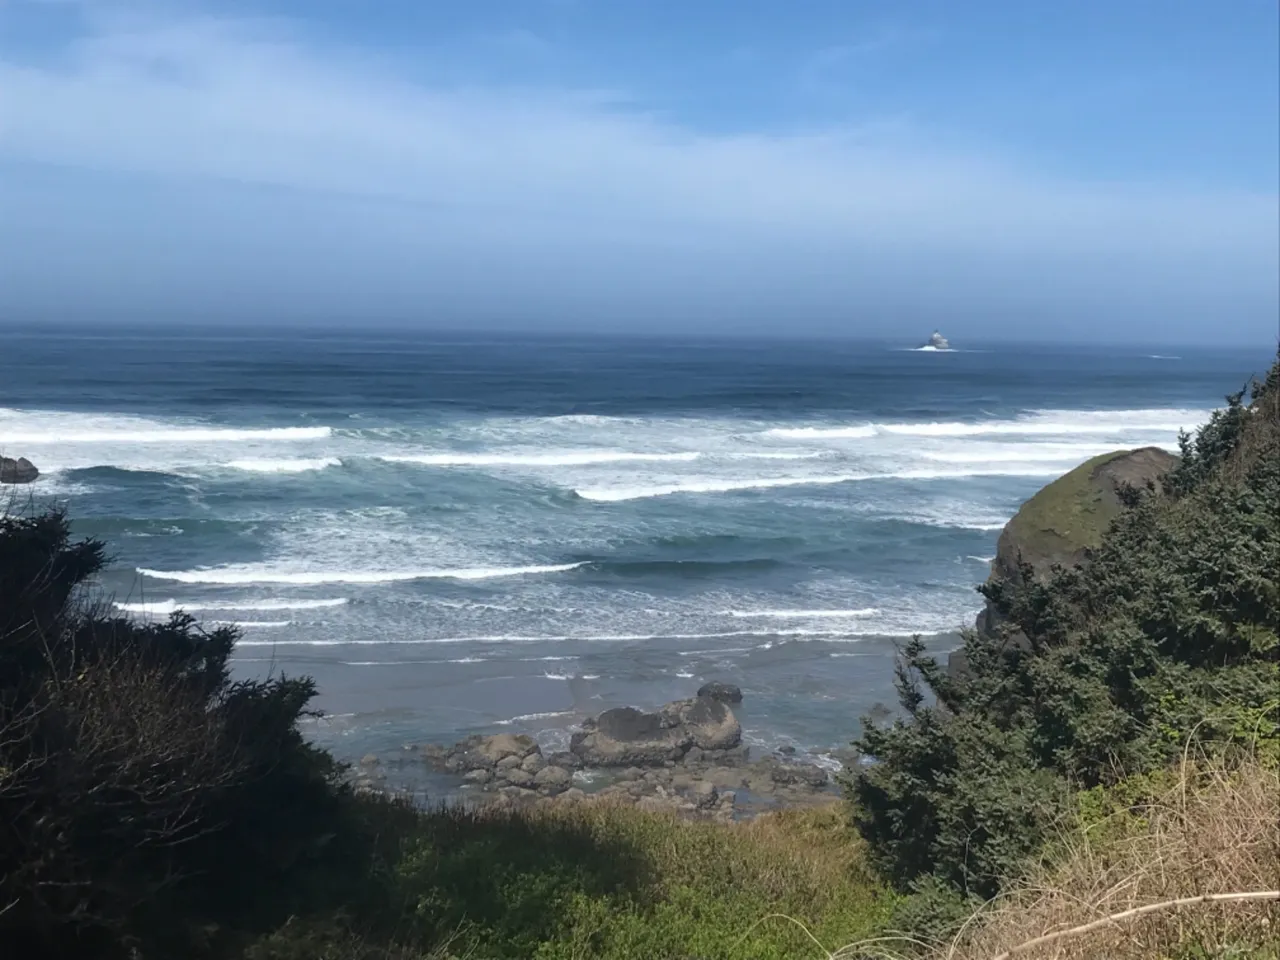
[1067,519]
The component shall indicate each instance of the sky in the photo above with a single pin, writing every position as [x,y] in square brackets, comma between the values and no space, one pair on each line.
[1094,170]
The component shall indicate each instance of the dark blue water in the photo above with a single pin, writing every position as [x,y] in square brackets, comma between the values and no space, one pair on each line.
[456,534]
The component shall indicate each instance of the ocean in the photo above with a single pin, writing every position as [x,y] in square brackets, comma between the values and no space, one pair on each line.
[457,534]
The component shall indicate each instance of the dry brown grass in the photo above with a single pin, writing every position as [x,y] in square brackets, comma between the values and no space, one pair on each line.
[1215,831]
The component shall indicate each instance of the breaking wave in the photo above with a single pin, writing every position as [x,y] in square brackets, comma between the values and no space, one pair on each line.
[248,575]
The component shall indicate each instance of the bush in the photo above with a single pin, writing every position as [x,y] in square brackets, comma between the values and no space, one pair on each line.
[146,801]
[1102,671]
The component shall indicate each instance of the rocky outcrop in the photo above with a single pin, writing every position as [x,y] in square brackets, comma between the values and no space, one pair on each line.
[1066,520]
[625,736]
[686,758]
[20,470]
[724,692]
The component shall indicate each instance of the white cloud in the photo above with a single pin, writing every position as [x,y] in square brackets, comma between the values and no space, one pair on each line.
[251,102]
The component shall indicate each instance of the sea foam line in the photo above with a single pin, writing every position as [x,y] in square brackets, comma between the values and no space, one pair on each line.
[805,614]
[166,607]
[566,459]
[616,494]
[165,435]
[252,624]
[230,575]
[284,466]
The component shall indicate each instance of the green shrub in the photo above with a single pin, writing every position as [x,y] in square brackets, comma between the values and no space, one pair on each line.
[1097,673]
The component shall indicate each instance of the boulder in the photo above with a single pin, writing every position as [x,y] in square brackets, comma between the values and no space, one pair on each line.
[508,763]
[1063,523]
[518,778]
[479,777]
[533,763]
[570,761]
[553,779]
[724,692]
[20,470]
[625,736]
[506,745]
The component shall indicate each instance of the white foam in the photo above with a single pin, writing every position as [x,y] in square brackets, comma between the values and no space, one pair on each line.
[166,607]
[1061,423]
[806,614]
[252,624]
[863,432]
[284,466]
[562,459]
[1032,423]
[526,717]
[249,575]
[981,559]
[138,430]
[616,494]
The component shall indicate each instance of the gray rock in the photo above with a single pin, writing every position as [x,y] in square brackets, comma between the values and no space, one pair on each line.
[533,763]
[369,760]
[573,794]
[508,763]
[799,773]
[724,692]
[518,778]
[553,779]
[704,794]
[625,736]
[21,470]
[479,777]
[565,759]
[507,745]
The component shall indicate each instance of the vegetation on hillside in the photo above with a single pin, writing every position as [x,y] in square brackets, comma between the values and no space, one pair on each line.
[1096,674]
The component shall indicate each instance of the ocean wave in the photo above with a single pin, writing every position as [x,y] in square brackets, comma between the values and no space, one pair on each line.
[158,434]
[166,607]
[804,614]
[245,575]
[566,458]
[526,717]
[863,432]
[284,466]
[687,568]
[981,559]
[1033,422]
[617,494]
[252,624]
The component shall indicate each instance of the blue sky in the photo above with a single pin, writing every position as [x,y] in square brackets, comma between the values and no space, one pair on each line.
[1020,168]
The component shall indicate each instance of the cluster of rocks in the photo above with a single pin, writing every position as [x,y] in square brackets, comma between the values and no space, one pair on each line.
[21,470]
[687,757]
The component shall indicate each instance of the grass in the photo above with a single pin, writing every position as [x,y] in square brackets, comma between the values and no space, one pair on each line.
[1069,514]
[604,881]
[1211,828]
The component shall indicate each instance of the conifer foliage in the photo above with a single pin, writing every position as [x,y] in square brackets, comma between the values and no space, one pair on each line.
[146,799]
[1098,672]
